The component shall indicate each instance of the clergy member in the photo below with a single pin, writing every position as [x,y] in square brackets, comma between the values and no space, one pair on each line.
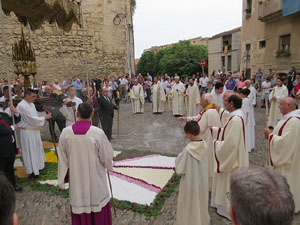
[279,92]
[284,149]
[137,97]
[217,93]
[230,152]
[191,165]
[252,94]
[32,149]
[247,108]
[208,117]
[158,96]
[177,93]
[69,110]
[193,98]
[84,154]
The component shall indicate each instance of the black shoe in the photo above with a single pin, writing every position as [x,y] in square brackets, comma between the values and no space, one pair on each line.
[18,189]
[271,128]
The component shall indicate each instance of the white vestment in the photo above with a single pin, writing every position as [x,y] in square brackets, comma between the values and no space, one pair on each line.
[192,205]
[274,111]
[178,98]
[138,98]
[32,149]
[250,123]
[252,95]
[208,118]
[194,99]
[68,111]
[218,98]
[223,113]
[284,145]
[84,158]
[158,97]
[230,155]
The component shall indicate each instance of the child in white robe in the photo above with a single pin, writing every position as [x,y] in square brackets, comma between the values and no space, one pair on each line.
[192,166]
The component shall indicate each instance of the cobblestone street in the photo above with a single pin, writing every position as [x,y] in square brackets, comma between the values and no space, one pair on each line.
[156,133]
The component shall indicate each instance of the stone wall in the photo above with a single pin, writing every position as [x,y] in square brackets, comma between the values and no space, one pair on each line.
[105,43]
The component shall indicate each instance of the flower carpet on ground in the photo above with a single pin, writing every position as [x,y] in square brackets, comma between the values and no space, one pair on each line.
[140,184]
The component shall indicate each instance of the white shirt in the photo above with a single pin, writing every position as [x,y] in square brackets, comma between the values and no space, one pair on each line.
[268,85]
[204,81]
[123,81]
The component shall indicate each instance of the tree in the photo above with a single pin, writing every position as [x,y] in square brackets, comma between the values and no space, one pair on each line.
[183,58]
[133,5]
[146,63]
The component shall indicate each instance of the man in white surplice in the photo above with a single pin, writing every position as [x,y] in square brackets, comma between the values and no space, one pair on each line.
[66,110]
[84,155]
[217,92]
[284,142]
[279,92]
[191,165]
[137,97]
[207,117]
[158,96]
[32,148]
[230,152]
[178,97]
[193,94]
[250,121]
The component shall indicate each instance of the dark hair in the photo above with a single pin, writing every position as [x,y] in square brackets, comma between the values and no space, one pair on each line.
[5,88]
[8,200]
[236,100]
[219,85]
[29,92]
[192,127]
[85,110]
[245,91]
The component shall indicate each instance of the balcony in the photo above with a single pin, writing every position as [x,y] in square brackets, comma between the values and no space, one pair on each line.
[269,10]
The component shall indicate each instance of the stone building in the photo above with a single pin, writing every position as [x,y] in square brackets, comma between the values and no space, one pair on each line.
[270,36]
[194,41]
[224,51]
[105,43]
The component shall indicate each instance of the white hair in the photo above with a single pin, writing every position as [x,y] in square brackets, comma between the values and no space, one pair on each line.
[177,77]
[209,98]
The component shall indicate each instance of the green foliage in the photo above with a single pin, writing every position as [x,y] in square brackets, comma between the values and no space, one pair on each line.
[182,58]
[133,5]
[146,63]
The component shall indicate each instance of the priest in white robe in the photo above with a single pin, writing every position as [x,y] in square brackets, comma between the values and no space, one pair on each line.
[218,92]
[223,114]
[279,92]
[208,117]
[252,94]
[284,149]
[69,111]
[191,165]
[84,155]
[32,149]
[177,93]
[137,97]
[230,152]
[250,121]
[193,94]
[158,96]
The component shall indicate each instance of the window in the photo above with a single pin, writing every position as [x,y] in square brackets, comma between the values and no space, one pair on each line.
[248,9]
[229,63]
[223,61]
[248,73]
[284,42]
[248,50]
[262,44]
[227,40]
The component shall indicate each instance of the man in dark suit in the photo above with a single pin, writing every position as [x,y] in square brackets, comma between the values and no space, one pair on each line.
[8,147]
[106,112]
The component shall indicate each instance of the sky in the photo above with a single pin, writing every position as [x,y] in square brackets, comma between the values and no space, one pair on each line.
[160,22]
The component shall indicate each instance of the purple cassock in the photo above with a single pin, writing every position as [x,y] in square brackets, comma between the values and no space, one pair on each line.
[94,218]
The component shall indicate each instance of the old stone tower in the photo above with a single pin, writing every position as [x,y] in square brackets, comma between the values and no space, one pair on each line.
[105,43]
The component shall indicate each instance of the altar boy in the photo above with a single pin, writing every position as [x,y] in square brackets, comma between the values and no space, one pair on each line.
[192,166]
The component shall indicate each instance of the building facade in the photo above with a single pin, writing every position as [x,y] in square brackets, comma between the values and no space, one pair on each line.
[270,36]
[105,43]
[224,51]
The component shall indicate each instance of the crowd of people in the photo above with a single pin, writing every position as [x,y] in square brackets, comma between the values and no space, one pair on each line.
[219,115]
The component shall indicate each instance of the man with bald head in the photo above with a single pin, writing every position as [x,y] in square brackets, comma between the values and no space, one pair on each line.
[208,117]
[230,152]
[284,146]
[106,112]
